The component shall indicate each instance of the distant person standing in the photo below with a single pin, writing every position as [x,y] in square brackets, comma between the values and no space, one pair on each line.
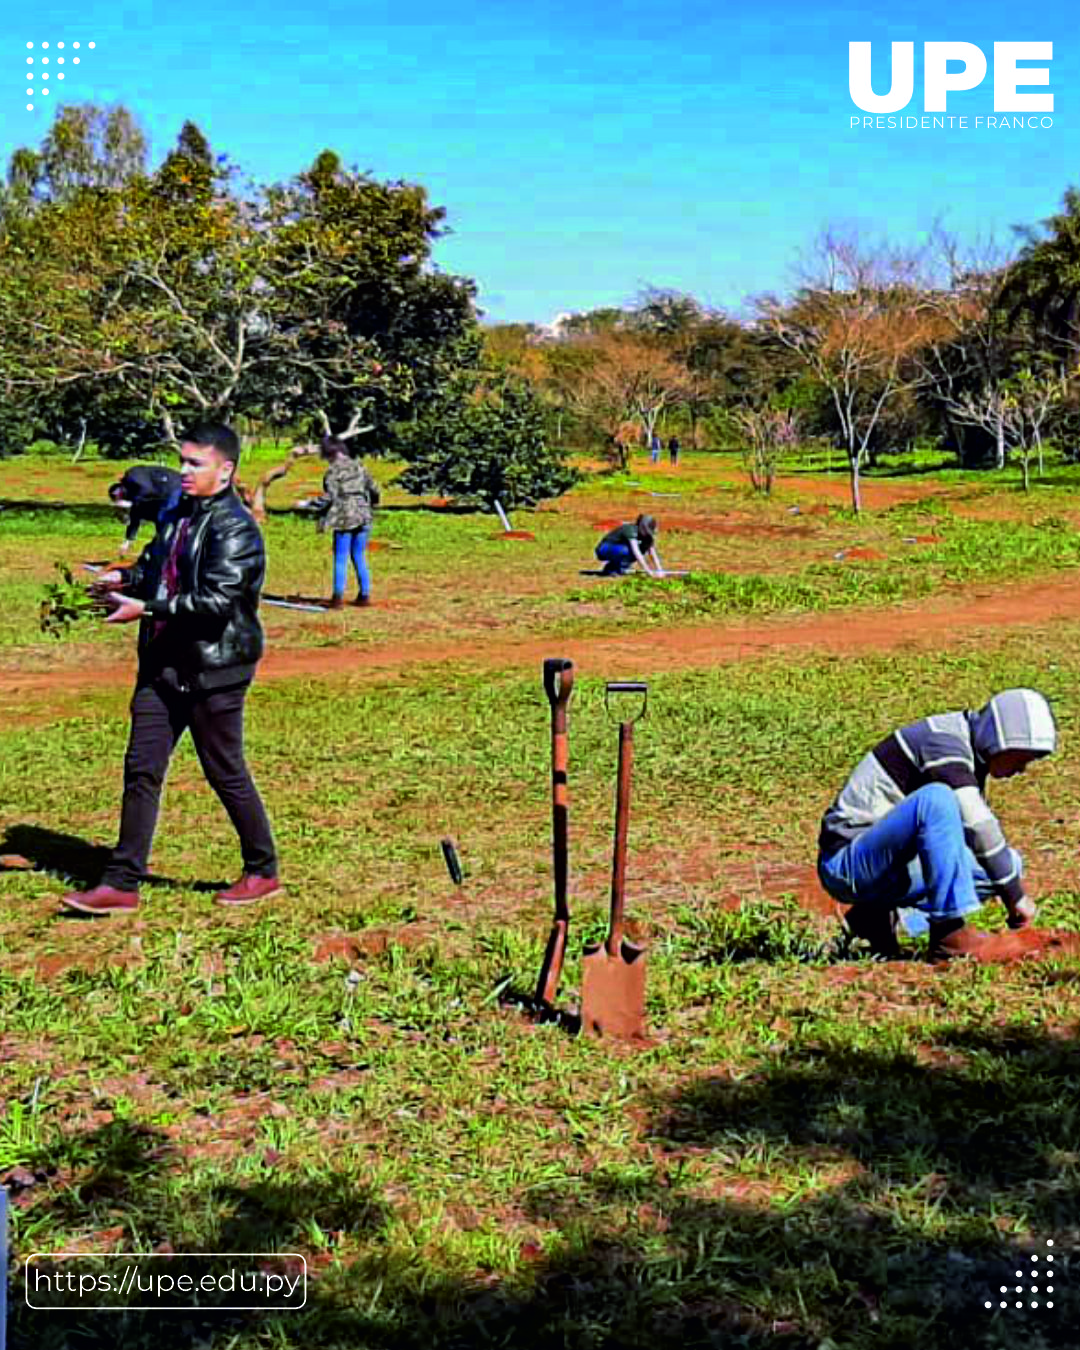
[195,592]
[144,492]
[673,450]
[656,447]
[346,507]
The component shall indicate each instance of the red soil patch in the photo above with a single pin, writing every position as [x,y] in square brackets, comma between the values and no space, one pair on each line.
[514,534]
[877,495]
[683,648]
[1005,948]
[770,880]
[863,554]
[371,942]
[49,967]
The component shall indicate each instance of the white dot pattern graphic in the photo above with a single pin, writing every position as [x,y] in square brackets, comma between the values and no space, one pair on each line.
[59,74]
[1033,1288]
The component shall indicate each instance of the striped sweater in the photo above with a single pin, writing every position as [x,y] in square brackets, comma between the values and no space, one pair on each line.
[953,749]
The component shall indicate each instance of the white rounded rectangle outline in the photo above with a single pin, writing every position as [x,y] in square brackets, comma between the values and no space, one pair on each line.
[136,1257]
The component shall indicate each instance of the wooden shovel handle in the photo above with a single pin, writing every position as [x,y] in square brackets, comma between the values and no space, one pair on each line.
[622,828]
[558,683]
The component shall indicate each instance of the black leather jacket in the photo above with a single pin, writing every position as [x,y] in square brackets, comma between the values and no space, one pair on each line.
[211,637]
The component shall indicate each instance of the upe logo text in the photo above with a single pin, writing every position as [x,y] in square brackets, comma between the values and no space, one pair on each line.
[939,81]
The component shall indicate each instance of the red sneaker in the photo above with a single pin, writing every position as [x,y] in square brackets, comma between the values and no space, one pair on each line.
[103,900]
[249,889]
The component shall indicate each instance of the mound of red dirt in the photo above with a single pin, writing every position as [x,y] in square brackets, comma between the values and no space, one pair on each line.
[514,534]
[859,554]
[1004,948]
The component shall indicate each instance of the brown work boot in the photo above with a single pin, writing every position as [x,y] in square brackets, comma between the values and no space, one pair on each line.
[875,924]
[362,602]
[953,938]
[102,900]
[249,889]
[336,602]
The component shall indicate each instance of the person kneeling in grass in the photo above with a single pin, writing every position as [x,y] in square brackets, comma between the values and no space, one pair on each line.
[626,544]
[911,830]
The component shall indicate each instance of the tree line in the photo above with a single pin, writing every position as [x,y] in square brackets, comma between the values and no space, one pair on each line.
[134,299]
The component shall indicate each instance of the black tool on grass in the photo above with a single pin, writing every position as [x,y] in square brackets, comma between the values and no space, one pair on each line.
[453,866]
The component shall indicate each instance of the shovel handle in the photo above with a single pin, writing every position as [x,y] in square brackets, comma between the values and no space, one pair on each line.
[558,682]
[622,829]
[627,687]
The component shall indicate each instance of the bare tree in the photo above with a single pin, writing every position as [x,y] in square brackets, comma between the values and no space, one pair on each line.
[630,376]
[859,324]
[975,343]
[769,433]
[1016,410]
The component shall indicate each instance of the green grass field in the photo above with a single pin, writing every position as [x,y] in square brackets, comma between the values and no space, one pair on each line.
[814,1150]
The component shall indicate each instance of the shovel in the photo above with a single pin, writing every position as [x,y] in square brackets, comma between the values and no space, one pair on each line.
[613,974]
[558,682]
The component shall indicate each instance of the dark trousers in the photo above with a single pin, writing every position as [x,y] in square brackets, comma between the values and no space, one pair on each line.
[159,717]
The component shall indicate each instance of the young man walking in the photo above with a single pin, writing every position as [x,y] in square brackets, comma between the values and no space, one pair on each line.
[911,830]
[195,591]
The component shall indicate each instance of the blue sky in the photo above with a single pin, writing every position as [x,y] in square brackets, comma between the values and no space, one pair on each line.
[582,150]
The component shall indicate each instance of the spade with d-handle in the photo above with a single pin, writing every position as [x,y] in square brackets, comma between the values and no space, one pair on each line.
[613,974]
[558,682]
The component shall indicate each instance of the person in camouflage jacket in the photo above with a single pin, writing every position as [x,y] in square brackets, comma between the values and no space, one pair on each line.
[346,507]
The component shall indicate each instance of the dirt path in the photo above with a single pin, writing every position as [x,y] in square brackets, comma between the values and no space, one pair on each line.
[648,650]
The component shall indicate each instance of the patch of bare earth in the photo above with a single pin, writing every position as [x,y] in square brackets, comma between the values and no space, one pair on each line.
[680,648]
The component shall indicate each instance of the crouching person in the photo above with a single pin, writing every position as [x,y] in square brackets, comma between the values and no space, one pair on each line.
[911,840]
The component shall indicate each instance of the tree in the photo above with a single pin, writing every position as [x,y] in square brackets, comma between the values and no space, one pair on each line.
[483,443]
[769,433]
[858,326]
[131,301]
[1044,281]
[350,261]
[86,147]
[978,345]
[629,375]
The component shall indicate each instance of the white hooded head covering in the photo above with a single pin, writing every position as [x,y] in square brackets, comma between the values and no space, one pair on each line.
[1018,719]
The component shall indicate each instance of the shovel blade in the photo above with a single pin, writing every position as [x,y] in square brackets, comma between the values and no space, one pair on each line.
[613,993]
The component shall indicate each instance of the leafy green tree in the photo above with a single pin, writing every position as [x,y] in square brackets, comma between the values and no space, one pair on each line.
[1044,281]
[350,266]
[483,442]
[86,147]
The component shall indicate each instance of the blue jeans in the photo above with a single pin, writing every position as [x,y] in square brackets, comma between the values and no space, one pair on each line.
[914,859]
[615,557]
[352,542]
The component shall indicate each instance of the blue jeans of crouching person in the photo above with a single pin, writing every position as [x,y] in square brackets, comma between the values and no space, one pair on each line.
[915,860]
[615,557]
